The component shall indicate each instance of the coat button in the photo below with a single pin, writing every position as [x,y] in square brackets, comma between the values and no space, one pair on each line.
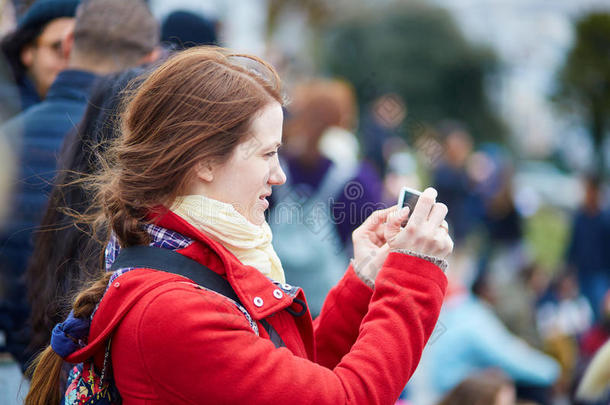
[278,294]
[286,287]
[258,301]
[117,284]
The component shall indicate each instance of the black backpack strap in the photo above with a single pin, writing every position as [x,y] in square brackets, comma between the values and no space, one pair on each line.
[167,260]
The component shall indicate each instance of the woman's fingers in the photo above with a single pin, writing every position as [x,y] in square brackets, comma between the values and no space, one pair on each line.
[394,222]
[374,221]
[445,245]
[437,215]
[378,218]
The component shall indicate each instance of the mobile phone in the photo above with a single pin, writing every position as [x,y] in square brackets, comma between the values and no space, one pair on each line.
[408,198]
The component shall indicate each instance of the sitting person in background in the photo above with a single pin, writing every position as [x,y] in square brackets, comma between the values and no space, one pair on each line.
[473,339]
[563,315]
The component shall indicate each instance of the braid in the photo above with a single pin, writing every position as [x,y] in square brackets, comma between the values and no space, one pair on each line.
[86,300]
[45,370]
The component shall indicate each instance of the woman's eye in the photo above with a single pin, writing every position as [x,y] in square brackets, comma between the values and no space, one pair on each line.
[271,154]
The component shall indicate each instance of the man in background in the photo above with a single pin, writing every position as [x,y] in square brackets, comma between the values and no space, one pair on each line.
[588,250]
[108,36]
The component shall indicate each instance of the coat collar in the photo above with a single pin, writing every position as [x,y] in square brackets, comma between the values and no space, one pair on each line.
[71,84]
[260,296]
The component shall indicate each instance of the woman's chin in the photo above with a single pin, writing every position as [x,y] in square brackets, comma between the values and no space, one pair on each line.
[257,214]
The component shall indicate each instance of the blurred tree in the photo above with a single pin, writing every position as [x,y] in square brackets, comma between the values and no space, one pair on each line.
[417,52]
[584,80]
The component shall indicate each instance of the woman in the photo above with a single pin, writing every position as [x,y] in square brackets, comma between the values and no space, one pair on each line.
[191,172]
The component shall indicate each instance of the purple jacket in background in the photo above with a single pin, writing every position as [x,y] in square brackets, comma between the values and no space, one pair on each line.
[356,200]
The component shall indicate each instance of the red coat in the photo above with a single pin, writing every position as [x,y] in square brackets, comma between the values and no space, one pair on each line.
[184,345]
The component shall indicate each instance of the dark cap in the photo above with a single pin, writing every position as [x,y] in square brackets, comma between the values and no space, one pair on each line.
[184,29]
[44,11]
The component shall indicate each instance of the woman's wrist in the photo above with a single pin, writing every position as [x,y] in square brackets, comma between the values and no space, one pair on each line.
[437,261]
[365,278]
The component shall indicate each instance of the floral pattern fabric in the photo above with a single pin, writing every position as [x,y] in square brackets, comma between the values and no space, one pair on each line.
[85,388]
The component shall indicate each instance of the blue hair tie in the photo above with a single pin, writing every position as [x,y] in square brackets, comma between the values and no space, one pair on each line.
[68,336]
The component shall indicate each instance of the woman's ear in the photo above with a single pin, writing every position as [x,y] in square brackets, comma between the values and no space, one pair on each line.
[204,172]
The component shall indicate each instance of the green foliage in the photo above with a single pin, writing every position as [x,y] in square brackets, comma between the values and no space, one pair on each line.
[584,79]
[417,52]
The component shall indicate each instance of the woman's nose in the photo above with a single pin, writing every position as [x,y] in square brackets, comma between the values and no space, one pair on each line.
[278,177]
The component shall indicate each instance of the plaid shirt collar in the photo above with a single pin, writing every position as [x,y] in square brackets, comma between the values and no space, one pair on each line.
[160,237]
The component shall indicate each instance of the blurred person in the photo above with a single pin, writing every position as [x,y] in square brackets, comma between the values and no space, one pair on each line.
[501,218]
[503,253]
[451,179]
[65,250]
[380,123]
[527,290]
[323,200]
[589,246]
[482,388]
[33,54]
[184,29]
[599,333]
[208,157]
[562,317]
[109,36]
[401,172]
[473,339]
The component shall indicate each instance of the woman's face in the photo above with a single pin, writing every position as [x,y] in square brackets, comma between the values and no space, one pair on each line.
[245,179]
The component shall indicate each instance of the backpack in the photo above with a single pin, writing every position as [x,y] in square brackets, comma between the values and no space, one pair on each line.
[305,235]
[86,385]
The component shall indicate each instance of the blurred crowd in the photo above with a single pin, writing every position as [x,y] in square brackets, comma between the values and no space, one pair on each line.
[511,330]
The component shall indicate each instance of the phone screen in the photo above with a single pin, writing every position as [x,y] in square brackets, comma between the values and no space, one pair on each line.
[408,198]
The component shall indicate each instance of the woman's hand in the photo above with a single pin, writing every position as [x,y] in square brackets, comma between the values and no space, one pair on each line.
[426,231]
[370,247]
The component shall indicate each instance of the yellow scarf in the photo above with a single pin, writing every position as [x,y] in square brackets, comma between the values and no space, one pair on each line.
[250,243]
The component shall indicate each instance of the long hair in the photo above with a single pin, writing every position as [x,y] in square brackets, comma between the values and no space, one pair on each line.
[66,254]
[195,108]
